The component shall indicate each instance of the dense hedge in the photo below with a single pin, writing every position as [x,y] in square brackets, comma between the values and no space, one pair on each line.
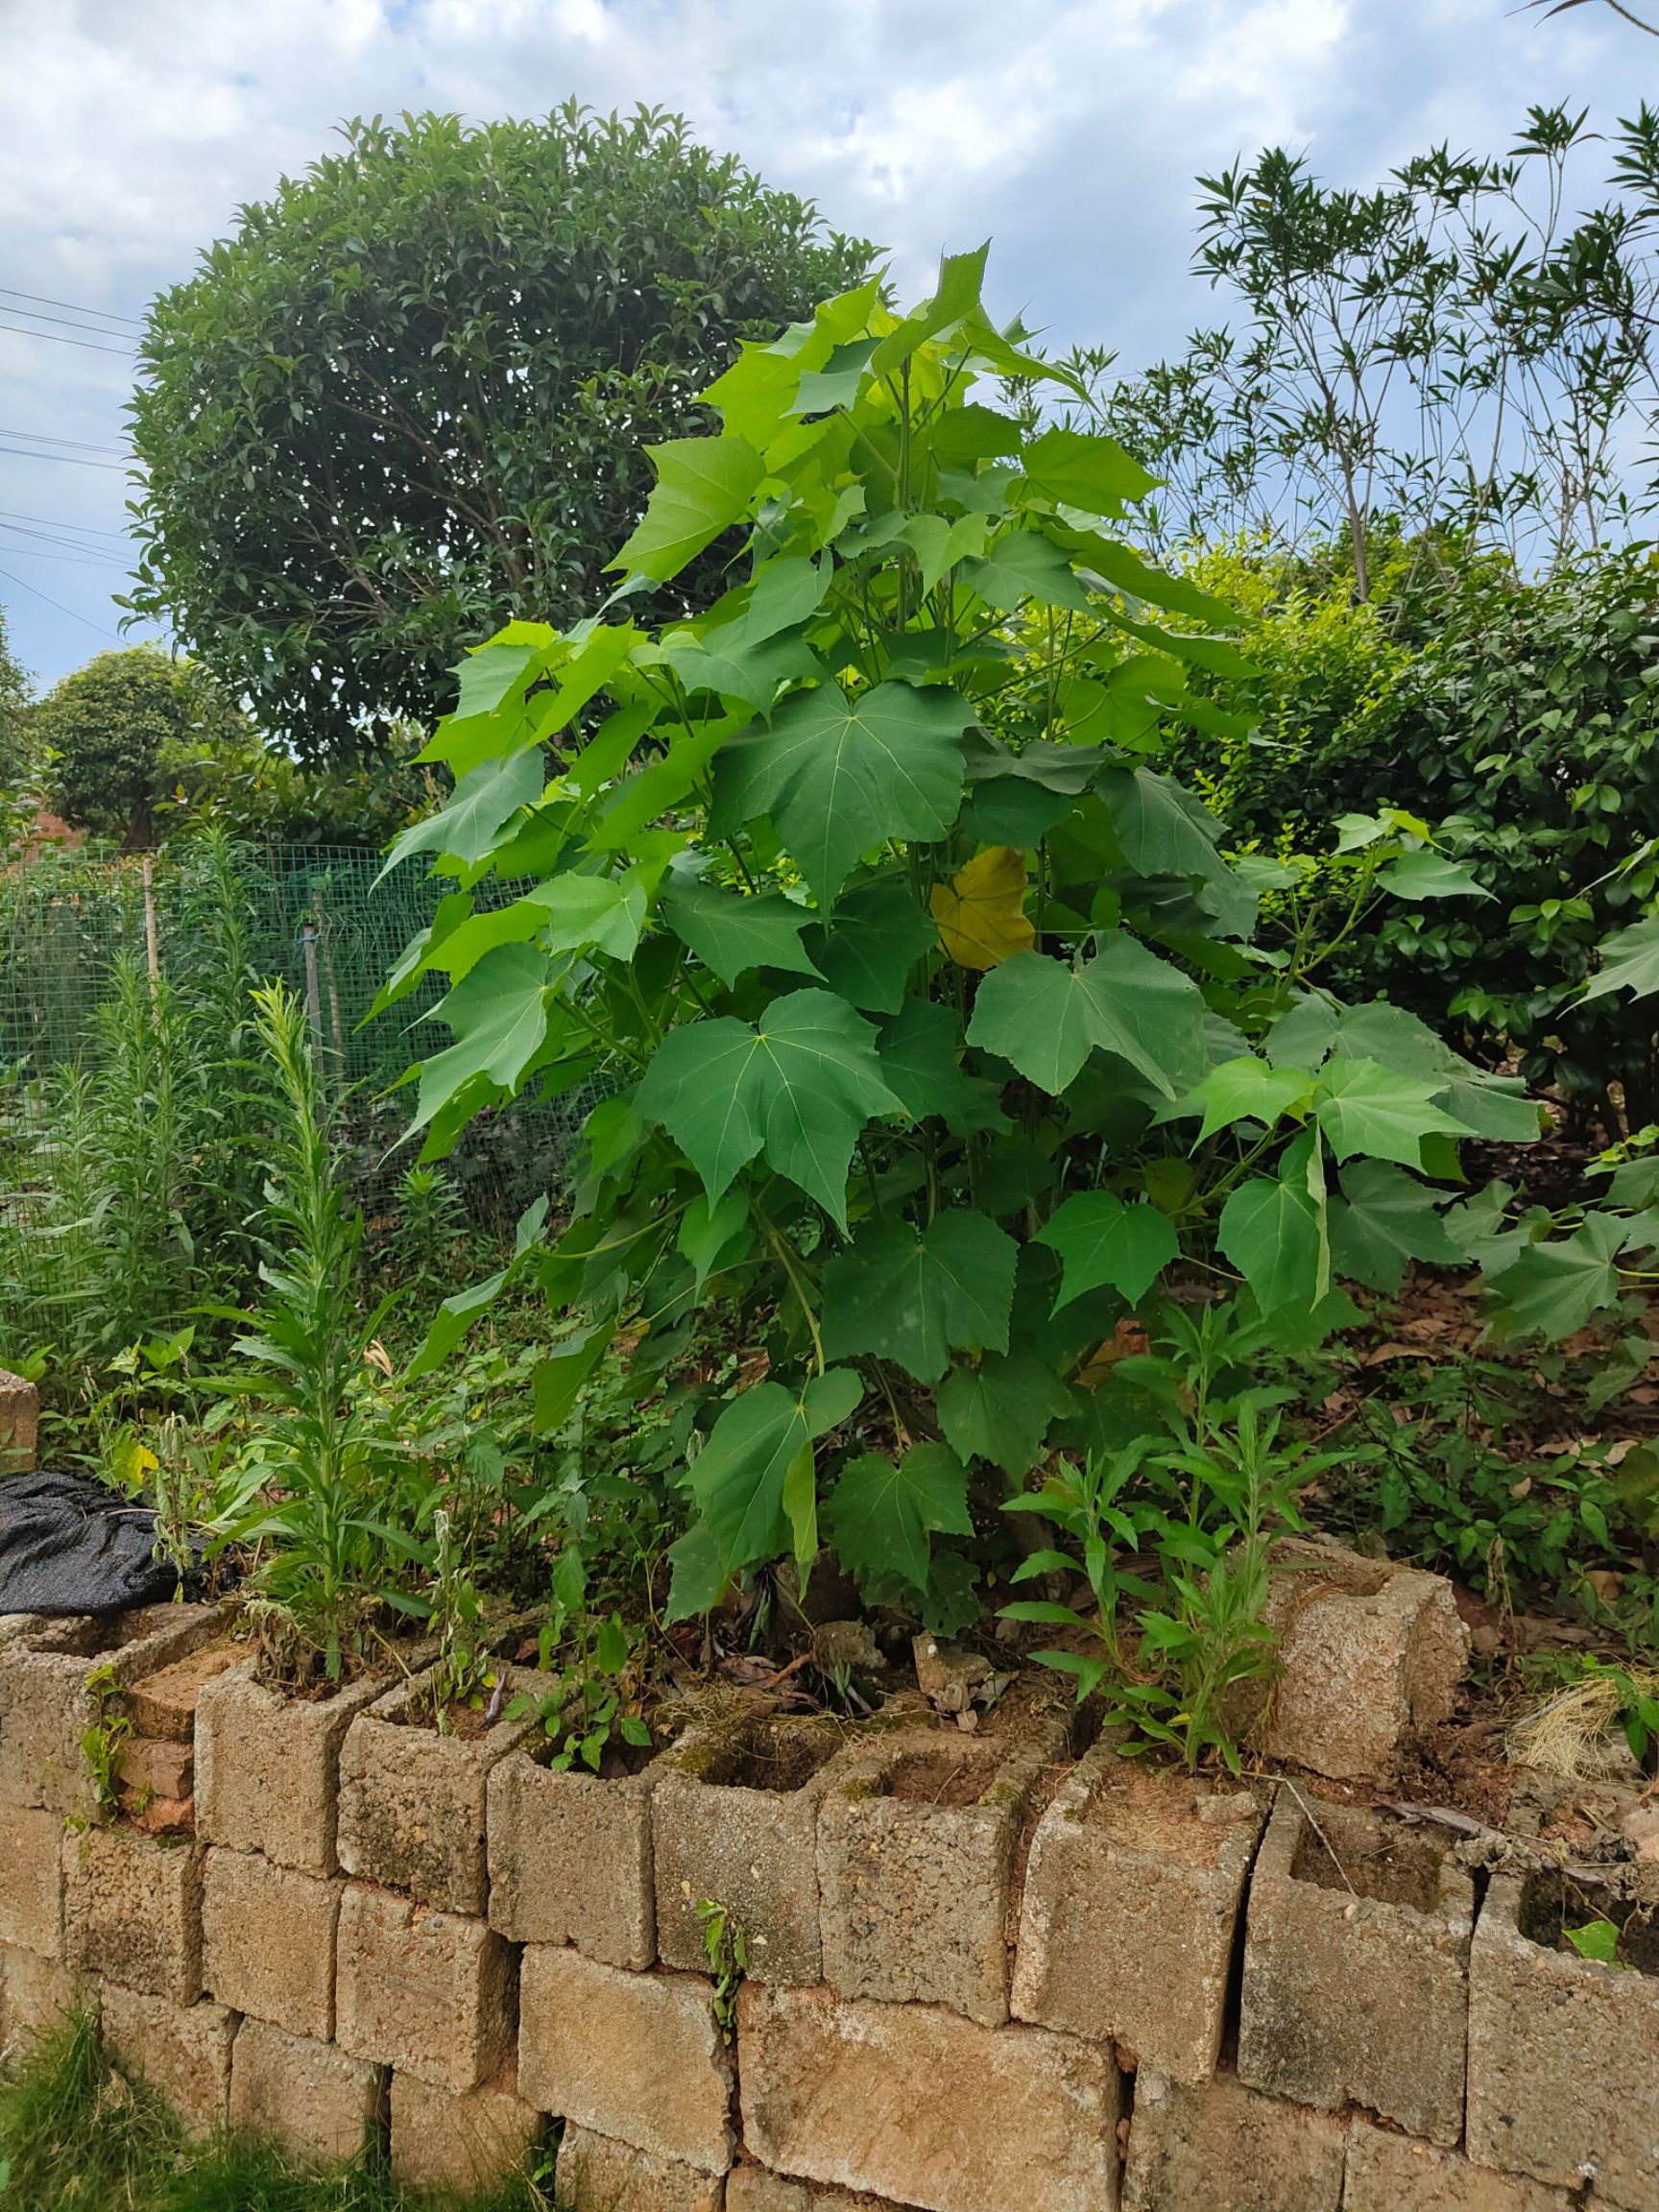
[1516,715]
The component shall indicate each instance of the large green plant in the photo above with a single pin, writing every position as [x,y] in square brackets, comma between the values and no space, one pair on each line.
[938,1042]
[405,399]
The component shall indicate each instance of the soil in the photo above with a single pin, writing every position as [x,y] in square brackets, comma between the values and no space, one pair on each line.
[1369,1857]
[773,1757]
[1552,1903]
[1150,1809]
[466,1723]
[1459,1766]
[937,1778]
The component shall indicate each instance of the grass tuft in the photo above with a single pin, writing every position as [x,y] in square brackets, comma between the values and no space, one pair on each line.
[76,2137]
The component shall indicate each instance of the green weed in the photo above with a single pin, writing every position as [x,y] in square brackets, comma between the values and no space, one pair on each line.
[76,2137]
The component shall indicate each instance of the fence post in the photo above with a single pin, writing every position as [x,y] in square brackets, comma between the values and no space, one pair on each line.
[313,999]
[152,940]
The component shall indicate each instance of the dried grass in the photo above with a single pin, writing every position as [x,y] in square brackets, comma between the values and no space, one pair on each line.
[1574,1733]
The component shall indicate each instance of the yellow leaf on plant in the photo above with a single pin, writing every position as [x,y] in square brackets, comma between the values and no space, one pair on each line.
[981,911]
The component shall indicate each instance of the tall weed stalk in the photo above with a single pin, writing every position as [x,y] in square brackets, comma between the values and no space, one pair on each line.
[326,1482]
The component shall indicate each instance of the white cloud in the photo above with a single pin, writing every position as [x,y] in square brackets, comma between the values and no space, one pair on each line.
[1068,130]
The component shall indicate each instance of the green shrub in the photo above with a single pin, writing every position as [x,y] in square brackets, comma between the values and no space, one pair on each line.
[1518,717]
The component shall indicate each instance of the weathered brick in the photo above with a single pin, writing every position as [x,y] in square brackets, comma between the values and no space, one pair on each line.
[596,2173]
[46,1706]
[429,1992]
[1395,2174]
[174,1816]
[163,1705]
[132,1911]
[734,1821]
[570,1860]
[916,1840]
[183,2050]
[37,1995]
[925,2107]
[267,1941]
[1367,1650]
[1356,1966]
[268,1767]
[636,2056]
[1132,1898]
[469,2144]
[412,1803]
[32,1880]
[1562,2050]
[1223,2148]
[310,2097]
[19,1424]
[157,1770]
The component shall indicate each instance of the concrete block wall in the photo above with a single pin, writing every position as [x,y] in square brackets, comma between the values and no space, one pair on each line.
[984,1976]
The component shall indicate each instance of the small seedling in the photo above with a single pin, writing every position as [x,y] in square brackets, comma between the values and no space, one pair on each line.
[726,1947]
[105,1742]
[1598,1940]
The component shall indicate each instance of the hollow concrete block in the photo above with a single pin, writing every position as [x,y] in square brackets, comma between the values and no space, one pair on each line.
[734,1815]
[1356,1986]
[637,2058]
[469,2145]
[268,1767]
[570,1860]
[596,2173]
[132,1911]
[1133,1893]
[1562,2050]
[317,2101]
[414,1805]
[181,2051]
[923,2107]
[1202,2149]
[916,1842]
[431,1993]
[268,1937]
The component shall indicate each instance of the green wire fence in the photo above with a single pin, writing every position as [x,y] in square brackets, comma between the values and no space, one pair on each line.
[314,915]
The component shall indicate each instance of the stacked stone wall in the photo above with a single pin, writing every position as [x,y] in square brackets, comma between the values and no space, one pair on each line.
[982,1975]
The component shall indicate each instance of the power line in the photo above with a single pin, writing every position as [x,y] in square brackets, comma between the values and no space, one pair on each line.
[92,329]
[59,604]
[80,529]
[40,301]
[72,460]
[45,437]
[52,339]
[69,559]
[67,547]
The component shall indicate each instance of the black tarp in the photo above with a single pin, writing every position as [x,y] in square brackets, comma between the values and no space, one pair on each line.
[70,1544]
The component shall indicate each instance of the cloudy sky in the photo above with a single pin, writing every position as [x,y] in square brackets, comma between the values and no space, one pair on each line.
[1068,131]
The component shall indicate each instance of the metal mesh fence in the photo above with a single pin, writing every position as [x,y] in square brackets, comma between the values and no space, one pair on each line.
[314,915]
[64,919]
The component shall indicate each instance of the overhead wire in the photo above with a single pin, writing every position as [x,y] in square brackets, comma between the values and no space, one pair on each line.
[26,586]
[72,460]
[46,437]
[82,529]
[40,300]
[52,339]
[91,329]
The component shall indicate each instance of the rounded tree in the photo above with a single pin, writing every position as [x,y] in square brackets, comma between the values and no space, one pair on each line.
[408,400]
[117,733]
